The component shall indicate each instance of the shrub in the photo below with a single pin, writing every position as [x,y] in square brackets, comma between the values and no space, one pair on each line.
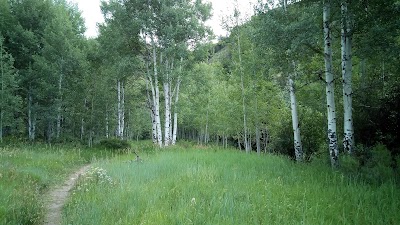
[114,144]
[397,168]
[377,167]
[349,164]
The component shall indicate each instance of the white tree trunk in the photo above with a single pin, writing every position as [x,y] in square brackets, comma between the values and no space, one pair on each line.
[257,121]
[82,128]
[59,117]
[151,100]
[330,91]
[258,143]
[348,138]
[239,143]
[2,92]
[206,130]
[298,148]
[122,110]
[284,2]
[167,98]
[207,119]
[157,98]
[266,137]
[245,140]
[119,109]
[107,124]
[31,117]
[1,125]
[168,103]
[83,120]
[175,131]
[226,141]
[90,139]
[153,126]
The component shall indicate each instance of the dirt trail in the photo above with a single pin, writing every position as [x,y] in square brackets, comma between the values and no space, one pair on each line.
[57,197]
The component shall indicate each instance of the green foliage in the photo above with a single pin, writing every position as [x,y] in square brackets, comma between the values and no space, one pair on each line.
[114,144]
[373,165]
[397,168]
[146,147]
[46,40]
[67,82]
[10,102]
[312,133]
[378,166]
[210,186]
[350,165]
[282,141]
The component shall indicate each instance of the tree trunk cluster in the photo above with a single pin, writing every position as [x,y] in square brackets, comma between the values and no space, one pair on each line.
[346,35]
[171,97]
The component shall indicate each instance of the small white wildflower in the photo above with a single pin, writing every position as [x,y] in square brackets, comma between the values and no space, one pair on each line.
[193,201]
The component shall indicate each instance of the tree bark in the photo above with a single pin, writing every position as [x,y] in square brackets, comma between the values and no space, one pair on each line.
[120,109]
[107,124]
[257,120]
[266,137]
[207,119]
[346,36]
[240,145]
[167,85]
[151,101]
[83,120]
[2,90]
[59,116]
[330,91]
[245,141]
[167,98]
[175,131]
[157,97]
[298,148]
[284,5]
[1,125]
[82,128]
[31,117]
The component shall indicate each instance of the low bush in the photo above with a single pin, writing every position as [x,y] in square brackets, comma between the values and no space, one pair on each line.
[378,167]
[373,165]
[397,168]
[349,164]
[114,144]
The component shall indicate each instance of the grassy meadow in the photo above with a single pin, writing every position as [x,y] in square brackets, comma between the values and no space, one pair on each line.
[212,186]
[28,171]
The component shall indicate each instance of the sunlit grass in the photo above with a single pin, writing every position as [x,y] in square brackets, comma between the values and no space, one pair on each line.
[26,174]
[209,186]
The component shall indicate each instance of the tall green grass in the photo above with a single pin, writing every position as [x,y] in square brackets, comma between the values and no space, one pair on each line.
[26,174]
[210,186]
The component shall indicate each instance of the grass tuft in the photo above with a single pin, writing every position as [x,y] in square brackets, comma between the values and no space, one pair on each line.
[210,186]
[28,171]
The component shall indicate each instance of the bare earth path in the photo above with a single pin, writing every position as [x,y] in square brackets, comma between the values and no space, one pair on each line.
[57,197]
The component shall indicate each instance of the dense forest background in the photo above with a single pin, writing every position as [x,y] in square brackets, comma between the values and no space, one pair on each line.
[156,72]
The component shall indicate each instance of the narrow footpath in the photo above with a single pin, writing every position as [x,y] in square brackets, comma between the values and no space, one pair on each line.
[56,198]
